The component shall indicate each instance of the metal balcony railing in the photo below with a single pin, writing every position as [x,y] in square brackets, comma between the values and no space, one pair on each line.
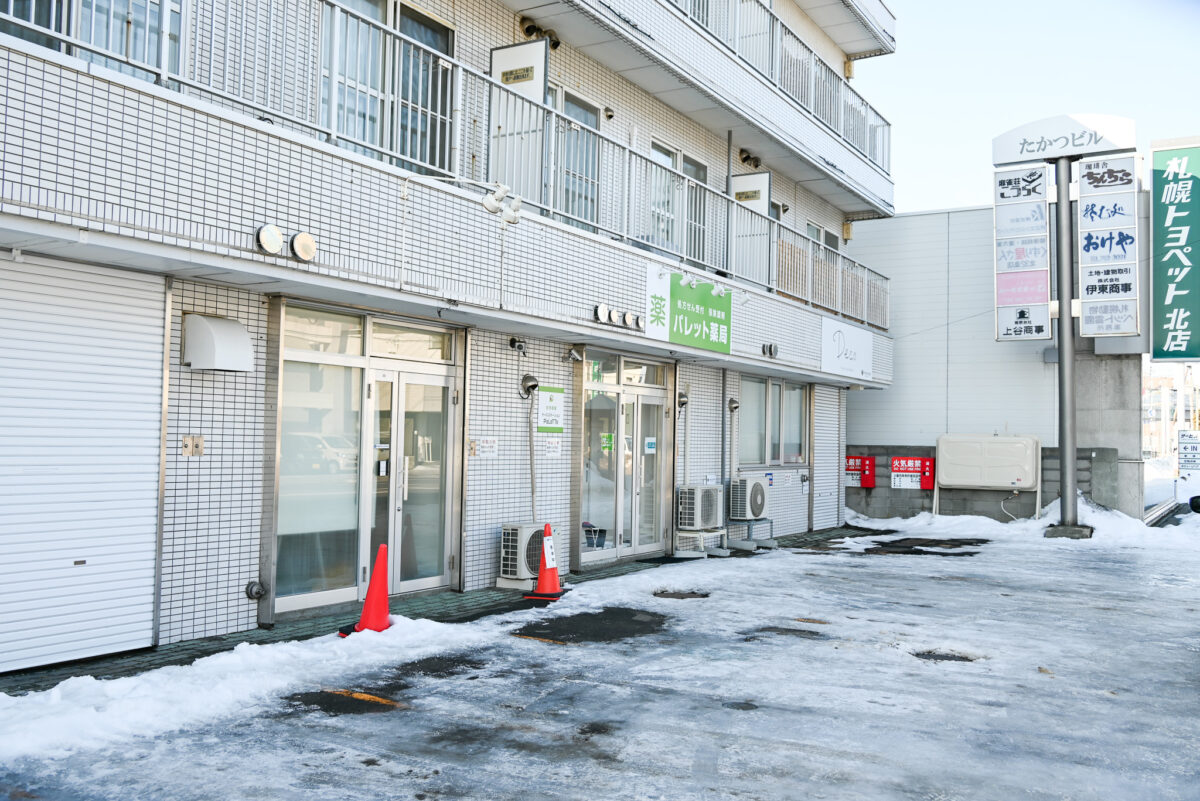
[351,80]
[763,41]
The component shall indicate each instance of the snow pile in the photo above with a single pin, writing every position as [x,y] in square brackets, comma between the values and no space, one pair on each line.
[83,712]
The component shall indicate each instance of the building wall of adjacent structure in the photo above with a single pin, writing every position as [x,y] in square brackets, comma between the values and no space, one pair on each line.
[953,377]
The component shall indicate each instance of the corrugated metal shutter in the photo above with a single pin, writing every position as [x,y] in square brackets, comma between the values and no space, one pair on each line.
[841,460]
[81,354]
[827,445]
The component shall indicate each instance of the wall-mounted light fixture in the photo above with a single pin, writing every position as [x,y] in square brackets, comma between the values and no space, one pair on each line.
[770,350]
[553,39]
[529,27]
[749,159]
[719,291]
[529,385]
[734,404]
[304,247]
[269,239]
[681,399]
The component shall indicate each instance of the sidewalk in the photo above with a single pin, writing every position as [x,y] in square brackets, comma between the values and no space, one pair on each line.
[446,607]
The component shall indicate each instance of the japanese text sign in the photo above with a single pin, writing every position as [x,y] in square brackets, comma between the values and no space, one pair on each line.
[550,410]
[1175,233]
[676,311]
[912,472]
[1022,252]
[1108,247]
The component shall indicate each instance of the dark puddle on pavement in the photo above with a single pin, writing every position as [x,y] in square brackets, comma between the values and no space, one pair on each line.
[943,656]
[608,625]
[911,546]
[469,740]
[680,594]
[741,706]
[807,634]
[379,695]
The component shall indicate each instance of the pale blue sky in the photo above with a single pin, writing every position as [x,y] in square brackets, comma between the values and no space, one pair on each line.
[964,72]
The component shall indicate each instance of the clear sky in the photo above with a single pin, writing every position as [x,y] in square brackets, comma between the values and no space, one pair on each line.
[965,71]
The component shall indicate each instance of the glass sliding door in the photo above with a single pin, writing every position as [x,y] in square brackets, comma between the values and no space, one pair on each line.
[600,457]
[410,480]
[649,475]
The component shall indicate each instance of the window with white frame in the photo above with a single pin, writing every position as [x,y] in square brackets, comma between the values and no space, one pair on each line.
[772,422]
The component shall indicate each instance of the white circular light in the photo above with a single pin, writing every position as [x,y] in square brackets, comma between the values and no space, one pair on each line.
[602,312]
[269,239]
[304,247]
[614,316]
[630,319]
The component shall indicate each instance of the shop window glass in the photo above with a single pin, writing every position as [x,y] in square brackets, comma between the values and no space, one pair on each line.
[793,424]
[640,373]
[602,369]
[403,342]
[752,417]
[323,331]
[318,478]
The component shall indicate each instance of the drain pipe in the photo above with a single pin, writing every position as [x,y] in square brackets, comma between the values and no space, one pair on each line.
[532,466]
[724,422]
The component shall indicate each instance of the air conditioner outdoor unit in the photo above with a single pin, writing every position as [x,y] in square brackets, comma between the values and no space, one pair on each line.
[521,550]
[699,507]
[747,498]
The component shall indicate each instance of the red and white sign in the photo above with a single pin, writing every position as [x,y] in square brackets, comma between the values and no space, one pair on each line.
[912,472]
[860,471]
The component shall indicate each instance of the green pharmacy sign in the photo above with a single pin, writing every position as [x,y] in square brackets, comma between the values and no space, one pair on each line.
[1175,274]
[684,311]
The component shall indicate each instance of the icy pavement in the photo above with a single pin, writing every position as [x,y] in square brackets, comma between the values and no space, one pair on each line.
[1049,669]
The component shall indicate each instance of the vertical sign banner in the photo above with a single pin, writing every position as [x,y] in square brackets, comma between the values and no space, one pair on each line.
[1022,235]
[1189,466]
[676,311]
[550,410]
[1175,236]
[1108,247]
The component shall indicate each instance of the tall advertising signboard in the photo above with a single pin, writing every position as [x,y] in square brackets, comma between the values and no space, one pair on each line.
[1108,247]
[1175,236]
[1022,236]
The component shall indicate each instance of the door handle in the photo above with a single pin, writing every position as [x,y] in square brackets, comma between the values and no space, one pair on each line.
[404,479]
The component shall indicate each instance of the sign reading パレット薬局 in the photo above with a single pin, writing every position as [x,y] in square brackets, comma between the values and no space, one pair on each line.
[1175,238]
[682,310]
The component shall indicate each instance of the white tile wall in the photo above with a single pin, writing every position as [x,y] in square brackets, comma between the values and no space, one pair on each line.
[498,489]
[212,503]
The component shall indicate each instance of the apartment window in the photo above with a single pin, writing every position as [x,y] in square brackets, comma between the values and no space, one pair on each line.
[576,178]
[391,99]
[678,209]
[828,238]
[771,422]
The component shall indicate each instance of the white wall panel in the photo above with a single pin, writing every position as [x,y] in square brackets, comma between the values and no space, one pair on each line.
[827,457]
[81,359]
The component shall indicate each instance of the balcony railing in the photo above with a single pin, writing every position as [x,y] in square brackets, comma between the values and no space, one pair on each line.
[361,84]
[763,41]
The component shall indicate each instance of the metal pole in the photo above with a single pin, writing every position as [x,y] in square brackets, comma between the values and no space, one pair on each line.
[1066,347]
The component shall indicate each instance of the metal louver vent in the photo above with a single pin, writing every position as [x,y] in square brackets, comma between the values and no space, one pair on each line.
[533,552]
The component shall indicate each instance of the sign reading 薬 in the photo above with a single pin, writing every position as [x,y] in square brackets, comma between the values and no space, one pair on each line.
[682,310]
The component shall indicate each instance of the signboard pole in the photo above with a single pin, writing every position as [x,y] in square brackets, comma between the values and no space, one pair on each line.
[1066,346]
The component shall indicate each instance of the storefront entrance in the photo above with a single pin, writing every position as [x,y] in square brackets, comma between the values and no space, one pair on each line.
[627,453]
[367,442]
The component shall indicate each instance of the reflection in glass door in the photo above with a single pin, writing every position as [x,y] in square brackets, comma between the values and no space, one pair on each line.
[622,470]
[649,515]
[409,480]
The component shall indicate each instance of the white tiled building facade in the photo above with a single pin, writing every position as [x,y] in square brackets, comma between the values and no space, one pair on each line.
[209,427]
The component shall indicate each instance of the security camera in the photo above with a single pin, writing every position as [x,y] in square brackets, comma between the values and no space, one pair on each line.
[518,345]
[529,385]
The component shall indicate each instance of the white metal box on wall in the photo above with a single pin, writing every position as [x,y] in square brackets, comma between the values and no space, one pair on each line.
[81,388]
[981,461]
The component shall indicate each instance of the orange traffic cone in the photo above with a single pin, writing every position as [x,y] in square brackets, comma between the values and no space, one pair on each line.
[548,588]
[375,609]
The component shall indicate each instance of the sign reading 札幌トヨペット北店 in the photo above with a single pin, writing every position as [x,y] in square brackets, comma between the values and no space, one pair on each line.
[1175,229]
[682,310]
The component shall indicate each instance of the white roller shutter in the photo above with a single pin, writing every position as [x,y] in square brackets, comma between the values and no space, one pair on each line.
[841,458]
[827,468]
[81,360]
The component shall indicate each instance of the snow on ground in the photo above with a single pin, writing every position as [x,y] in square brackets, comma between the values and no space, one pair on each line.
[1160,476]
[795,678]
